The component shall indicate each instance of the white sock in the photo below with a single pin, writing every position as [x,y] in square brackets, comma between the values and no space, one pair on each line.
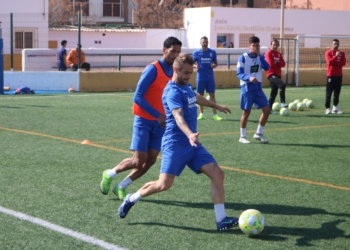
[112,173]
[243,132]
[260,130]
[124,183]
[219,212]
[135,197]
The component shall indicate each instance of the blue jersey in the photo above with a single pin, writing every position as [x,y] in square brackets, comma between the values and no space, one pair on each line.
[60,53]
[176,96]
[204,60]
[251,65]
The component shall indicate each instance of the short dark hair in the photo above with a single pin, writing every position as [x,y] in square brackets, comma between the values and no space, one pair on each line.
[63,42]
[204,37]
[182,59]
[170,41]
[219,41]
[335,40]
[254,39]
[276,41]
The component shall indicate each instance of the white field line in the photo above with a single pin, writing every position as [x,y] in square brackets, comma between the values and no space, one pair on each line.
[63,230]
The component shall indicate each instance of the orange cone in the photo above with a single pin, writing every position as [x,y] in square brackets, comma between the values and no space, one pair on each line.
[86,142]
[71,90]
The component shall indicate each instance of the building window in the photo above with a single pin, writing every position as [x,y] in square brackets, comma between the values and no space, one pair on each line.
[244,40]
[112,8]
[24,38]
[80,5]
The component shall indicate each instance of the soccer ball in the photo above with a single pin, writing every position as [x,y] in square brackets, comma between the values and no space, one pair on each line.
[305,100]
[310,104]
[208,97]
[292,106]
[284,111]
[300,106]
[276,106]
[296,101]
[251,222]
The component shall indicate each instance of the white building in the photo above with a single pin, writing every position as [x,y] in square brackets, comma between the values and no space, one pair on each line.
[238,24]
[30,24]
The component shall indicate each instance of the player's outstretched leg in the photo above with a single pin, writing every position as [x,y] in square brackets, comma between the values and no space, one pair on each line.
[227,223]
[125,207]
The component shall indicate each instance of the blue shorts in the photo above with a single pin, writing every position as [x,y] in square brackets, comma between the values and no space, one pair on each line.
[147,134]
[208,86]
[175,157]
[257,97]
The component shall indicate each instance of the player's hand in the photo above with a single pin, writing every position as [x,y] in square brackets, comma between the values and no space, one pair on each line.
[161,120]
[253,79]
[193,139]
[338,53]
[223,109]
[213,65]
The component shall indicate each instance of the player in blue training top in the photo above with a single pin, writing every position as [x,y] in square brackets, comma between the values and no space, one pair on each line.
[249,71]
[149,120]
[180,145]
[205,62]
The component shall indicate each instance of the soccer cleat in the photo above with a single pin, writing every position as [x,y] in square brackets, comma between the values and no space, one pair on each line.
[244,140]
[201,117]
[273,112]
[120,192]
[261,138]
[335,110]
[125,207]
[105,183]
[217,118]
[227,223]
[327,112]
[284,105]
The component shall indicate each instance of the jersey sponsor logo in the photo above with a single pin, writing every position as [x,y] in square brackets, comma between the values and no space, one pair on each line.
[254,68]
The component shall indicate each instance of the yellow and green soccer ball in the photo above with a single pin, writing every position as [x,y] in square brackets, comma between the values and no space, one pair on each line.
[284,111]
[276,106]
[300,106]
[310,104]
[292,106]
[251,222]
[305,100]
[296,101]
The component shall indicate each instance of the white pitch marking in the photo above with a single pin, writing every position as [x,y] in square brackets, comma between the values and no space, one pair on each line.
[63,230]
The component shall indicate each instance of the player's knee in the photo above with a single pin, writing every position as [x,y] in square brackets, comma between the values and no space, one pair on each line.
[137,162]
[164,186]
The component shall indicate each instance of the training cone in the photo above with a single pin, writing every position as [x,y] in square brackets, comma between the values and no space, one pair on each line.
[86,142]
[71,90]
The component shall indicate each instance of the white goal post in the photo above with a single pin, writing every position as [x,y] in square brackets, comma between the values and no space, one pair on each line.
[310,59]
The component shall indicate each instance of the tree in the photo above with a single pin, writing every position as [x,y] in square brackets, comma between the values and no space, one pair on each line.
[148,13]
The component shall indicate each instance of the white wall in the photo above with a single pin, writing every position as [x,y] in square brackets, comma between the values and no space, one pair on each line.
[262,23]
[26,14]
[122,39]
[42,80]
[155,37]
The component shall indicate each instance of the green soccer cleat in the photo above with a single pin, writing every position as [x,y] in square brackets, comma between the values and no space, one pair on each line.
[217,118]
[200,117]
[105,183]
[120,192]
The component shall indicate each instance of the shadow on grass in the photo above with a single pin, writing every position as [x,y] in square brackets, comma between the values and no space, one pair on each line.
[310,145]
[327,231]
[10,107]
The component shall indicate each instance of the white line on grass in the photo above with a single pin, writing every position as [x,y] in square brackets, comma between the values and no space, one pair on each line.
[63,230]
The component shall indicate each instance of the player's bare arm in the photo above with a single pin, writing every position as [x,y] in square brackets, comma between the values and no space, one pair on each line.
[182,124]
[204,102]
[214,64]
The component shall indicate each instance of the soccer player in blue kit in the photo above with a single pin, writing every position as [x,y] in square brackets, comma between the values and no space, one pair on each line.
[149,120]
[205,62]
[180,145]
[249,71]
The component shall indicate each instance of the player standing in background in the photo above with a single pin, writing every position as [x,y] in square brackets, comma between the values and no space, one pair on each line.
[335,62]
[180,145]
[149,120]
[61,56]
[249,71]
[276,62]
[205,62]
